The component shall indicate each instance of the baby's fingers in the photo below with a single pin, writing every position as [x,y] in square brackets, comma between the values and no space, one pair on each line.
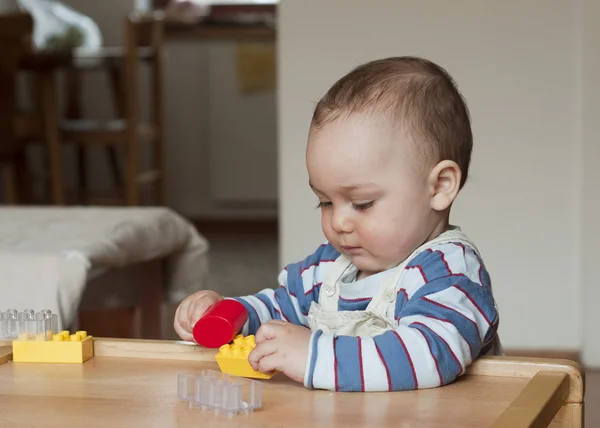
[181,323]
[198,308]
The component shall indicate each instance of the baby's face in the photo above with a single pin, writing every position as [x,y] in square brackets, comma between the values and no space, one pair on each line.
[374,197]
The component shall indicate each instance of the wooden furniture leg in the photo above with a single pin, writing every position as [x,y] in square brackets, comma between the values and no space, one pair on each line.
[151,289]
[159,120]
[24,186]
[539,402]
[49,107]
[74,86]
[116,83]
[8,184]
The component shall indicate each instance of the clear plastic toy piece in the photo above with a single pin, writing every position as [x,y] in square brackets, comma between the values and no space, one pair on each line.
[28,325]
[212,390]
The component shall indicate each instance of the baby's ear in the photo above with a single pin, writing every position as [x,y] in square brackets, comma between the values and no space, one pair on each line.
[444,184]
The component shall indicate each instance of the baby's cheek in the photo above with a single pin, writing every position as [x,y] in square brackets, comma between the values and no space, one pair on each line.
[391,243]
[325,223]
[379,232]
[329,235]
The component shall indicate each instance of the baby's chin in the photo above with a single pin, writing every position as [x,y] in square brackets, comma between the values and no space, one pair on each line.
[368,265]
[366,262]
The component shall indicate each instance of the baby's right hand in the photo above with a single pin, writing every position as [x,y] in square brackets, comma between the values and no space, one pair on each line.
[191,309]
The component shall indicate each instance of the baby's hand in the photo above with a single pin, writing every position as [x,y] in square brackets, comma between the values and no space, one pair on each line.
[191,309]
[283,347]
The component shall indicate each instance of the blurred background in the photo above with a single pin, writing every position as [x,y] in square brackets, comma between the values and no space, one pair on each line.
[238,84]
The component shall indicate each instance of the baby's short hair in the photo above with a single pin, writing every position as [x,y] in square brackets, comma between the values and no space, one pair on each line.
[416,94]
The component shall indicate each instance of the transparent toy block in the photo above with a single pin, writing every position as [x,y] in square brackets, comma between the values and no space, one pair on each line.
[220,392]
[28,325]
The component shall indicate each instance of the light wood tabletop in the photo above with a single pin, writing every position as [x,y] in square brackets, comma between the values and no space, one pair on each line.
[133,383]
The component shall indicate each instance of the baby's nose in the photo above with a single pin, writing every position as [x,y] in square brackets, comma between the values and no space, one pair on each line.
[340,222]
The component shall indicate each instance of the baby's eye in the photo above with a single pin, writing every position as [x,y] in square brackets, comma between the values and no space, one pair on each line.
[323,204]
[362,207]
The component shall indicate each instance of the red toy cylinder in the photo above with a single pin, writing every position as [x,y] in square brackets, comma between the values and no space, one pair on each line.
[220,323]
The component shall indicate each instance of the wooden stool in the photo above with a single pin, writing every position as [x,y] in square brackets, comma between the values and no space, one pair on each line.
[142,43]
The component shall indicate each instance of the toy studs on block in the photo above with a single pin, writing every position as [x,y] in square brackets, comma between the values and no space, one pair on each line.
[217,328]
[61,347]
[233,359]
[220,324]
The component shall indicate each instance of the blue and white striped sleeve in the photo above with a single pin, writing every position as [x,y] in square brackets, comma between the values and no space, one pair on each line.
[443,326]
[299,285]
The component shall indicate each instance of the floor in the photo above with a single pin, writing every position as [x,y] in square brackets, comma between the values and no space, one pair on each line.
[242,264]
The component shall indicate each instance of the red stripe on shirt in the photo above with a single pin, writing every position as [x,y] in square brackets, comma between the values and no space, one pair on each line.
[458,244]
[454,310]
[420,270]
[449,322]
[387,370]
[306,293]
[462,290]
[280,312]
[456,360]
[335,365]
[410,362]
[443,257]
[357,300]
[360,363]
[403,291]
[317,263]
[437,364]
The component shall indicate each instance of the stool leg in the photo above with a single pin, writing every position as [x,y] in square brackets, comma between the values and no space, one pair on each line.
[132,188]
[52,131]
[73,84]
[9,183]
[151,286]
[116,83]
[159,120]
[129,110]
[24,185]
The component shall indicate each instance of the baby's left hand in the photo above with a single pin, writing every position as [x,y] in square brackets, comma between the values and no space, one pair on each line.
[281,346]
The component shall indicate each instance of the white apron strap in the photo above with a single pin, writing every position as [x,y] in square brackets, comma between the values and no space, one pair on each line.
[330,291]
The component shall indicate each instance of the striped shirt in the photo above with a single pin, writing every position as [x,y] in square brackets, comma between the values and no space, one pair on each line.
[445,312]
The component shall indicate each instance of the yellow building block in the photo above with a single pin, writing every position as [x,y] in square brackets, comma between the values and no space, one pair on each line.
[55,348]
[233,359]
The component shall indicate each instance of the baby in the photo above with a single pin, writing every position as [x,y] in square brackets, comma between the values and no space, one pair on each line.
[397,298]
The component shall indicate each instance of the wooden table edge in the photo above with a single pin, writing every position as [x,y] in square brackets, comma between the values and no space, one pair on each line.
[539,402]
[528,367]
[5,353]
[555,389]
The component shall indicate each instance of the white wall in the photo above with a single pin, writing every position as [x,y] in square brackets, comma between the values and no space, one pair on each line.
[590,202]
[518,64]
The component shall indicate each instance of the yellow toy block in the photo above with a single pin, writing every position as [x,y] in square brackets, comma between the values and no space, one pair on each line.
[233,359]
[53,348]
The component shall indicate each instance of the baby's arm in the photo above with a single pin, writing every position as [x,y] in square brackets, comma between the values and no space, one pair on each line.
[443,327]
[299,285]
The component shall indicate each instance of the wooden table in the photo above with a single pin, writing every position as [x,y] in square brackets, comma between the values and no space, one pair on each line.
[133,383]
